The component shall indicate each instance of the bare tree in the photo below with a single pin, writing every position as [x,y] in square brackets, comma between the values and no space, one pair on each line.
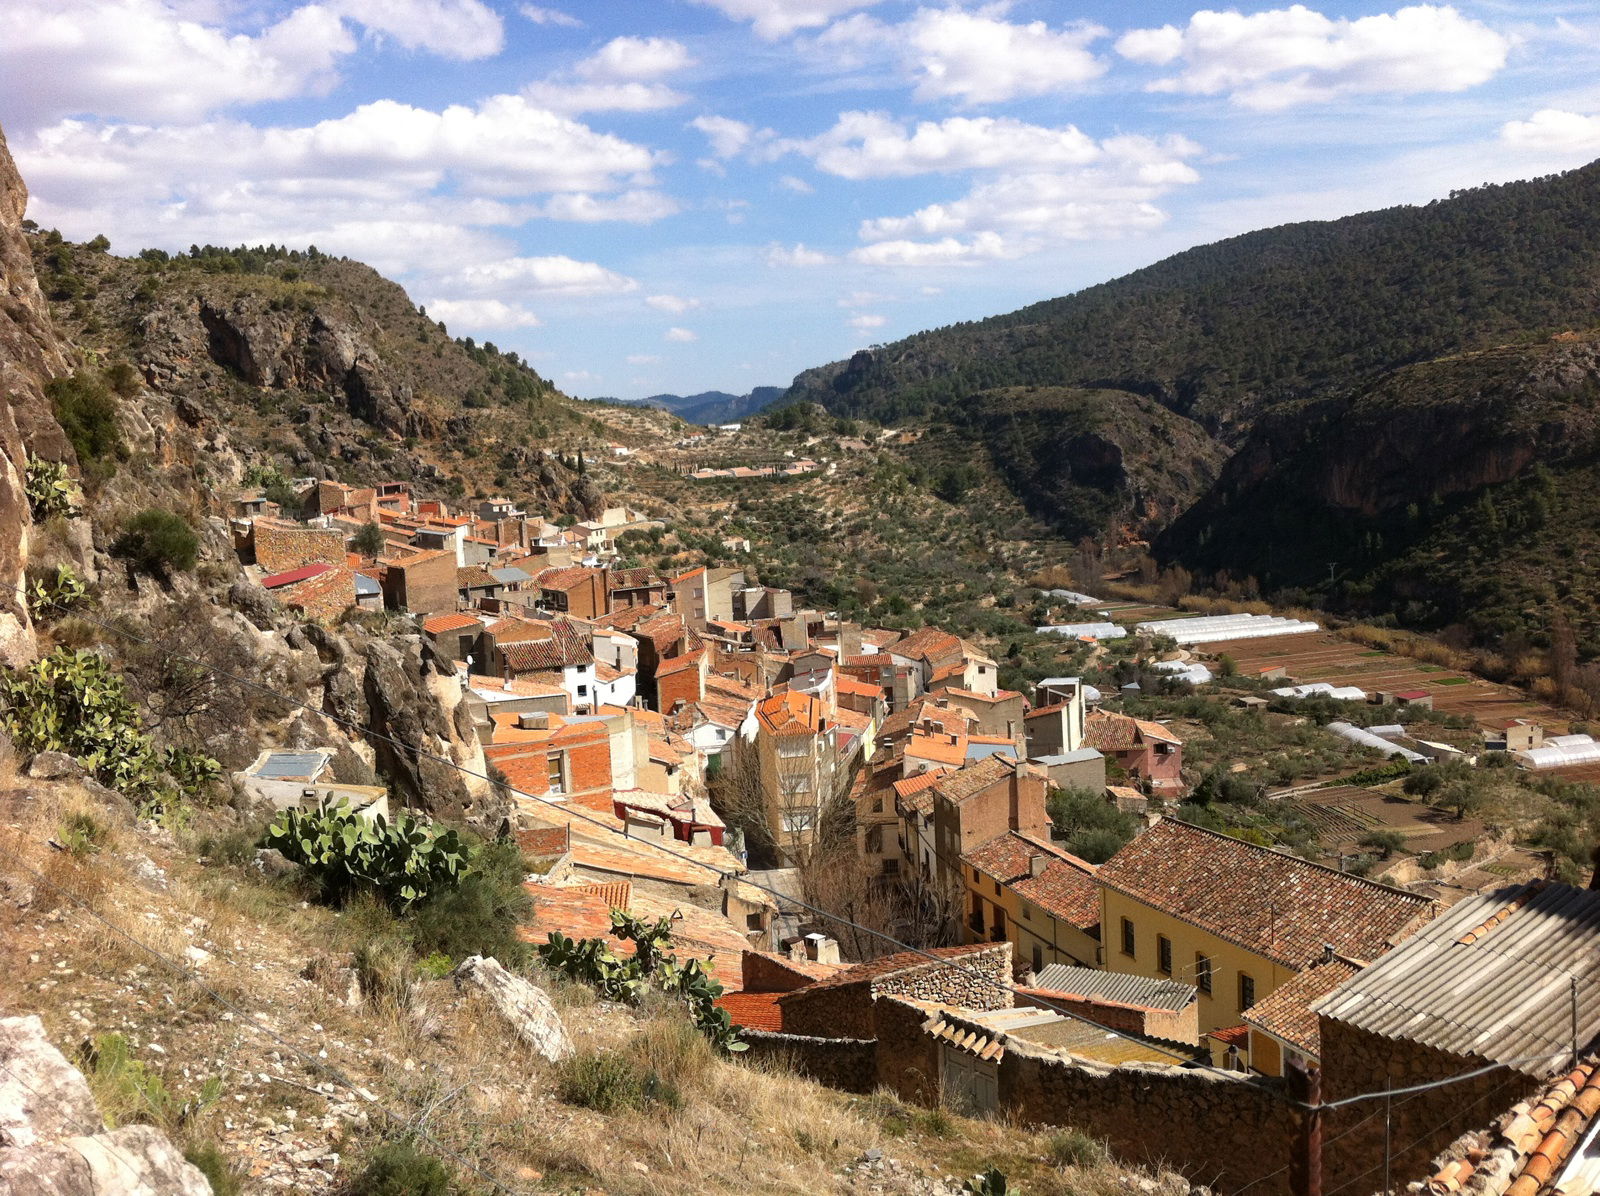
[871,914]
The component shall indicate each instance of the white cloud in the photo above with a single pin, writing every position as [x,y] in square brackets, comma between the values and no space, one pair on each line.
[970,57]
[643,358]
[622,76]
[779,18]
[795,255]
[798,185]
[947,251]
[635,58]
[1110,192]
[579,376]
[553,275]
[863,322]
[673,304]
[681,336]
[1283,57]
[482,313]
[1553,129]
[139,60]
[729,137]
[931,290]
[630,207]
[871,145]
[461,29]
[549,16]
[863,299]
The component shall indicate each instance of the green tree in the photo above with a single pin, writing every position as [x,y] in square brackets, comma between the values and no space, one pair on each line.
[369,540]
[158,542]
[1091,825]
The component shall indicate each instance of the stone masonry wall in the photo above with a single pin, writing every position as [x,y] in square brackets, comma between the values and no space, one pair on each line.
[977,980]
[848,1064]
[908,1056]
[280,549]
[845,1011]
[1356,1061]
[1214,1129]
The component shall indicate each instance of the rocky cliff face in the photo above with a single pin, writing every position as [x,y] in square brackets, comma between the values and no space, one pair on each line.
[30,356]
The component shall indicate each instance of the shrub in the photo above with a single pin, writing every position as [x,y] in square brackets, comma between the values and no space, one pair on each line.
[158,542]
[1074,1148]
[480,915]
[1384,842]
[82,834]
[343,853]
[1092,827]
[369,541]
[225,1179]
[613,1081]
[399,1169]
[87,412]
[55,593]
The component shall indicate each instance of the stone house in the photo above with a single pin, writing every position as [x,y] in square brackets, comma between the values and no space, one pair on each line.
[704,594]
[999,713]
[576,590]
[279,547]
[1057,728]
[975,976]
[563,657]
[1236,920]
[457,635]
[981,802]
[423,583]
[1026,891]
[628,588]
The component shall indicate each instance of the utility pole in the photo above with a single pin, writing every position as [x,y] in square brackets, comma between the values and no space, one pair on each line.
[1305,1163]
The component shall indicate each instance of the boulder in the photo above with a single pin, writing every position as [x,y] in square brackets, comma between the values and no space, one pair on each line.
[52,1141]
[54,766]
[523,1005]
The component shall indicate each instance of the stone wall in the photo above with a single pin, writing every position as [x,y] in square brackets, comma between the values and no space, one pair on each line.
[908,1056]
[845,1010]
[1213,1128]
[1357,1061]
[848,1064]
[280,549]
[977,980]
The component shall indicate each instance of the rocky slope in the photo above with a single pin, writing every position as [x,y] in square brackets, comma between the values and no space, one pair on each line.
[1456,490]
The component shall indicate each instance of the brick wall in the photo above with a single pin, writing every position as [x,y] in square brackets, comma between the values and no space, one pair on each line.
[686,685]
[849,1064]
[588,770]
[989,814]
[280,549]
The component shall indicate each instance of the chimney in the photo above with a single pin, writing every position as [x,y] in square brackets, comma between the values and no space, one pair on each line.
[1037,864]
[1327,952]
[821,949]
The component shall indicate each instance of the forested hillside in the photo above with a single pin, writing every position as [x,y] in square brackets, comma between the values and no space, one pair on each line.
[1227,330]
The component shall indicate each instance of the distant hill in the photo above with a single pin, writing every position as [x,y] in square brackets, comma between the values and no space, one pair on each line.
[717,406]
[1228,330]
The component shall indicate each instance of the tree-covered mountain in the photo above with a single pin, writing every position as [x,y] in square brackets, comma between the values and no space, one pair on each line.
[1225,331]
[717,406]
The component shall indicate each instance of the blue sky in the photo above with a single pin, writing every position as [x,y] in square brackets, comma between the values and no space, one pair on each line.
[680,195]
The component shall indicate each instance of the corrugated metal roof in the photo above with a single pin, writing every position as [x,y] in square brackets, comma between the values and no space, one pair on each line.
[292,766]
[1493,978]
[1115,986]
[367,586]
[510,575]
[1080,756]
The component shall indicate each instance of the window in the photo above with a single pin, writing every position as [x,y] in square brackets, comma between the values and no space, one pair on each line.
[798,820]
[875,840]
[583,691]
[1164,954]
[891,867]
[753,922]
[1202,973]
[1247,991]
[1127,937]
[554,773]
[1038,957]
[997,888]
[1027,913]
[877,805]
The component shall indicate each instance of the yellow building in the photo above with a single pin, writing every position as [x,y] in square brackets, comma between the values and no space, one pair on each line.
[1030,893]
[1236,920]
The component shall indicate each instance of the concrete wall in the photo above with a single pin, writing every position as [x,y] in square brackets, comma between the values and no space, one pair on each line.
[849,1064]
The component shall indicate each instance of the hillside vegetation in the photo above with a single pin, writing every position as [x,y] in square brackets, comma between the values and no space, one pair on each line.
[1227,330]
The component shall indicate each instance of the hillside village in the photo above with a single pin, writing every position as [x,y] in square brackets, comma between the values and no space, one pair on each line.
[865,837]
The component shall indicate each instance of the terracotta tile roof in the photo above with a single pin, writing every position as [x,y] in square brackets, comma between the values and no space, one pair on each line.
[628,618]
[663,629]
[1232,1036]
[1065,889]
[907,786]
[514,688]
[472,577]
[615,893]
[1285,1013]
[864,689]
[676,664]
[686,576]
[1268,902]
[452,622]
[792,713]
[939,747]
[889,965]
[564,577]
[975,778]
[753,1011]
[1000,695]
[1040,711]
[608,673]
[632,579]
[1107,732]
[928,644]
[567,647]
